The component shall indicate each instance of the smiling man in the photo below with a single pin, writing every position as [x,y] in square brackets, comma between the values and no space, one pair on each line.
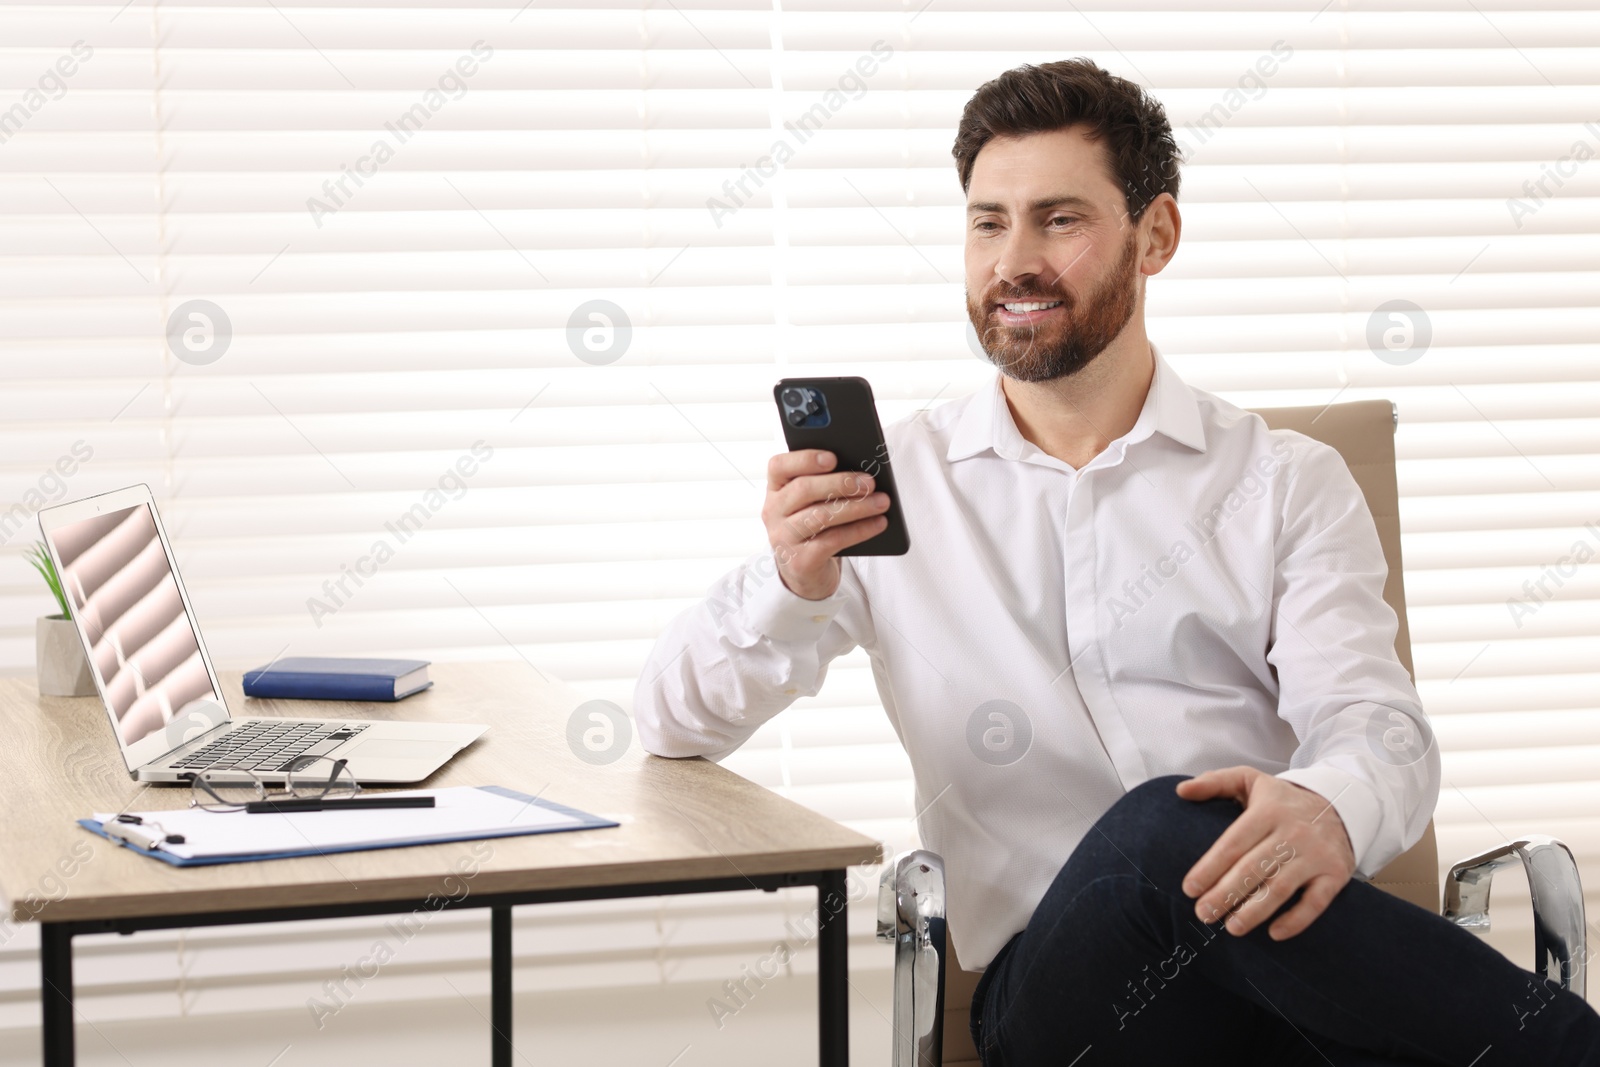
[1136,655]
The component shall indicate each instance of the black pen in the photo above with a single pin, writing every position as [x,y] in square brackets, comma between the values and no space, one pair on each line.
[271,807]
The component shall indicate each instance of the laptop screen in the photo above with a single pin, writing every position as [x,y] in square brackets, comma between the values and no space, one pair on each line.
[143,650]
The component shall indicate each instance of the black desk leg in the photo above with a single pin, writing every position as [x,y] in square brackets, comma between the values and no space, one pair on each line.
[55,993]
[500,985]
[833,970]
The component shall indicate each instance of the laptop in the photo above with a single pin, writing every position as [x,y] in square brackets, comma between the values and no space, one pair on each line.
[150,665]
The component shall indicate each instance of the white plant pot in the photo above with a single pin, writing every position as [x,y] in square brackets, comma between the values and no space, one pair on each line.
[62,666]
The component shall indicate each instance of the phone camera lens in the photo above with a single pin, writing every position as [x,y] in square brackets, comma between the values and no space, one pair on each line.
[795,417]
[793,397]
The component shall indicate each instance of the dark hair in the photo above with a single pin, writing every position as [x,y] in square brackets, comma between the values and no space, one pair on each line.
[1131,123]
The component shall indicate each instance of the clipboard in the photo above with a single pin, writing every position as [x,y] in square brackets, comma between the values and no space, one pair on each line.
[195,838]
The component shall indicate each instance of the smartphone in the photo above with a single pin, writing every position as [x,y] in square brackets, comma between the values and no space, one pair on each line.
[838,415]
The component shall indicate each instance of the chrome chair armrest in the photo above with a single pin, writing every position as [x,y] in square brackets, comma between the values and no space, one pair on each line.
[1560,947]
[911,915]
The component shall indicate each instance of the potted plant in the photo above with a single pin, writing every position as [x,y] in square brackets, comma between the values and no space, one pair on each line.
[62,667]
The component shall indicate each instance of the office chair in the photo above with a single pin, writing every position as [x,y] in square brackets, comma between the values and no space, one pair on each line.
[932,1000]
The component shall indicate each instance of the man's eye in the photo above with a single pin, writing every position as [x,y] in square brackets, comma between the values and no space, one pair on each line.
[981,225]
[1063,218]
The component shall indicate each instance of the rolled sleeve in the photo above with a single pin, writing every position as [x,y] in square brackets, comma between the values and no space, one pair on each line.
[776,611]
[730,662]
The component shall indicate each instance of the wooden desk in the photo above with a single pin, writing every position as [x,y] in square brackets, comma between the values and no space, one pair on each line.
[688,826]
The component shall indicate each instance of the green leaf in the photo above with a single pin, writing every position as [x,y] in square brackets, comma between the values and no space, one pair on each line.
[39,557]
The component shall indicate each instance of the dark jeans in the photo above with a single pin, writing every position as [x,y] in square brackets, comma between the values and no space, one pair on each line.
[1115,968]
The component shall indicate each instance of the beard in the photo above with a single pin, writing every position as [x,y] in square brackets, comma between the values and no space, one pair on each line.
[1068,342]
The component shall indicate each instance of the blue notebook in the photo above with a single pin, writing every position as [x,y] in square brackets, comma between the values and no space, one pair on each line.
[338,678]
[192,837]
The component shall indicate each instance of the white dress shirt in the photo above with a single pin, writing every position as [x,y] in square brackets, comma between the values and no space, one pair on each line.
[1204,593]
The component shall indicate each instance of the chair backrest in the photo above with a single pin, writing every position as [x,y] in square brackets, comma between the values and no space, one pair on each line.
[1363,433]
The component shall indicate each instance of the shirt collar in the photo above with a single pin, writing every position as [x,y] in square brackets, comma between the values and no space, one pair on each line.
[1169,408]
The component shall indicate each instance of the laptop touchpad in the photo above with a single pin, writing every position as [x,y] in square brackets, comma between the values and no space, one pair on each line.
[394,748]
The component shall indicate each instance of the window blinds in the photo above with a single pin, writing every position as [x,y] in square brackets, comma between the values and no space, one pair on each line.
[290,263]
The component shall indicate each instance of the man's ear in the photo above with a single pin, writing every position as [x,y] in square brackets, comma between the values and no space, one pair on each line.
[1160,230]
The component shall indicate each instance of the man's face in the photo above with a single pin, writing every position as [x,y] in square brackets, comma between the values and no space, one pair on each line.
[1046,224]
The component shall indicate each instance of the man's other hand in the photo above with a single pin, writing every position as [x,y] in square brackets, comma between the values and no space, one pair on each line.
[1287,837]
[811,513]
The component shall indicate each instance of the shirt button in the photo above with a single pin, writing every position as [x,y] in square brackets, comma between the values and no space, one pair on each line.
[819,618]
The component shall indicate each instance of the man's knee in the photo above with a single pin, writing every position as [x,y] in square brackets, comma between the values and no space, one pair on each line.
[1158,832]
[1155,804]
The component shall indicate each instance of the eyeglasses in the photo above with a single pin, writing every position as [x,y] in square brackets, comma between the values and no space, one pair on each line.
[218,788]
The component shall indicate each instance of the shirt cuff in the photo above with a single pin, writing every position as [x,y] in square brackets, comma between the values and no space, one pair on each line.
[775,611]
[1352,798]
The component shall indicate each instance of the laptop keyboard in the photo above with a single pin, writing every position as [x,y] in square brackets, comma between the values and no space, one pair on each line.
[268,745]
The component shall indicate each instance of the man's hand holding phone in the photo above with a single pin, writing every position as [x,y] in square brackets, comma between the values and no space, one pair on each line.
[812,512]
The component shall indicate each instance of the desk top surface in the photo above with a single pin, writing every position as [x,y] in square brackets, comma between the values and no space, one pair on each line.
[681,819]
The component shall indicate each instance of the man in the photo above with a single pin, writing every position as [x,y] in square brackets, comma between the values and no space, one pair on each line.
[1138,655]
